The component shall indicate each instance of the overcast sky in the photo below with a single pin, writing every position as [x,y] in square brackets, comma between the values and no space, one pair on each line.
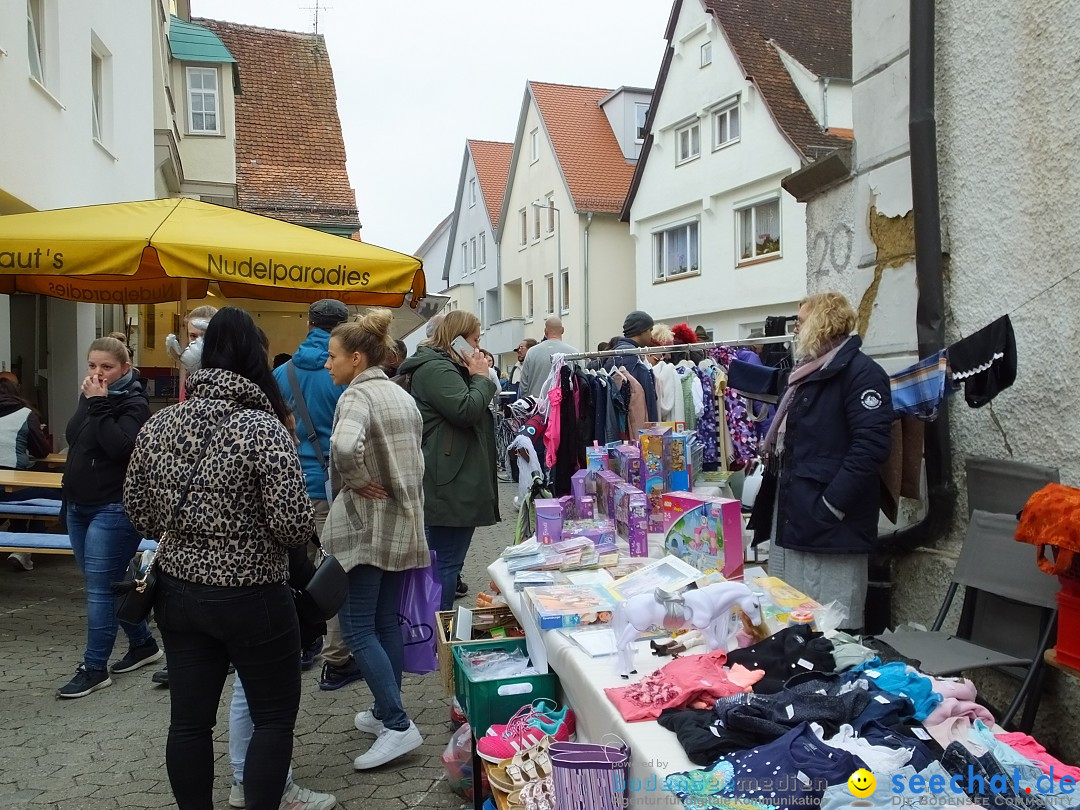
[414,80]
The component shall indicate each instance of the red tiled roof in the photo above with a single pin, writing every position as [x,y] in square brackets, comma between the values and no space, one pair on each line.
[290,153]
[815,32]
[492,161]
[595,169]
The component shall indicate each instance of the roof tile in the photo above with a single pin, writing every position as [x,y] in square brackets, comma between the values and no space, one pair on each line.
[290,153]
[593,164]
[492,161]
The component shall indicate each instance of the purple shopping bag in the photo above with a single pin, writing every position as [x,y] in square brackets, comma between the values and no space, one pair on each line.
[421,594]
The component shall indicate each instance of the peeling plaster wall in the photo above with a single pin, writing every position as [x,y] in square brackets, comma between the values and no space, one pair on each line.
[1008,119]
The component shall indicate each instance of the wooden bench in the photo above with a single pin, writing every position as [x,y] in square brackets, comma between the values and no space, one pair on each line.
[40,543]
[38,509]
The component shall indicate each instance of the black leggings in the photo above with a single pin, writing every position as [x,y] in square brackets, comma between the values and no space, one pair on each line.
[204,627]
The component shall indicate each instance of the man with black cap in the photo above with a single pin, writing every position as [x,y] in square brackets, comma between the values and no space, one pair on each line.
[311,395]
[637,332]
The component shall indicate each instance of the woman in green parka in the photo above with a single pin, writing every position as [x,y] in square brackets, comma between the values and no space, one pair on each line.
[453,390]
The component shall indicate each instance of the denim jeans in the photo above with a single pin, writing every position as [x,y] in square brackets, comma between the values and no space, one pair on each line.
[240,730]
[976,774]
[104,541]
[451,546]
[371,629]
[204,627]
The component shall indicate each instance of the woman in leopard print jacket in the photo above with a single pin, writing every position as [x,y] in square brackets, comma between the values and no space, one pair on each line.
[217,480]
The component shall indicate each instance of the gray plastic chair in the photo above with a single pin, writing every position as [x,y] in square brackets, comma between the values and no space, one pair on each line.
[1002,574]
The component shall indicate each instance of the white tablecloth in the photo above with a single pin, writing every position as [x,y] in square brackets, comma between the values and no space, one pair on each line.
[655,751]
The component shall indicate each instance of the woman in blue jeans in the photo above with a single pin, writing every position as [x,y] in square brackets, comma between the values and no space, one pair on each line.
[217,480]
[376,522]
[112,409]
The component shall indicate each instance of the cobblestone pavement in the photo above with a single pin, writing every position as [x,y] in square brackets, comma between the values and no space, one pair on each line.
[107,750]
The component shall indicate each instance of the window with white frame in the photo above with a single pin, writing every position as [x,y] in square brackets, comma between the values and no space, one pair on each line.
[35,38]
[464,258]
[97,69]
[534,140]
[550,225]
[203,100]
[641,117]
[483,249]
[564,289]
[759,229]
[523,228]
[549,304]
[727,127]
[530,301]
[706,53]
[472,246]
[688,142]
[472,192]
[536,222]
[675,251]
[482,311]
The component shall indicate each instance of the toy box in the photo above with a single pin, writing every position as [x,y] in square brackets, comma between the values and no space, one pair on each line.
[549,520]
[596,457]
[583,483]
[626,463]
[570,605]
[669,573]
[778,601]
[632,519]
[674,427]
[606,484]
[679,472]
[600,530]
[586,508]
[655,455]
[705,532]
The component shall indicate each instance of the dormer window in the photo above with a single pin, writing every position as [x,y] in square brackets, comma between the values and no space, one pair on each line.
[641,117]
[203,118]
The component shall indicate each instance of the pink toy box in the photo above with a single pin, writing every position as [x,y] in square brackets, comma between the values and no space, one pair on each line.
[632,519]
[705,532]
[626,463]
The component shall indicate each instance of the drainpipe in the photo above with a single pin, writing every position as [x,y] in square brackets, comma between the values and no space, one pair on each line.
[585,280]
[929,274]
[825,104]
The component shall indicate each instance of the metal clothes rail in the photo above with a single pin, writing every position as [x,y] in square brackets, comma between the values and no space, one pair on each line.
[681,347]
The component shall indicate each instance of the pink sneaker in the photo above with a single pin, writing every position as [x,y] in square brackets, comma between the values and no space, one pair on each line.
[525,730]
[553,717]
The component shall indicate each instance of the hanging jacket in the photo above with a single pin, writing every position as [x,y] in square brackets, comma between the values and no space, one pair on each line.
[641,372]
[460,488]
[100,436]
[321,397]
[21,438]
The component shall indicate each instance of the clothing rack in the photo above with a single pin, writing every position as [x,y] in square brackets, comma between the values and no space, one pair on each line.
[682,347]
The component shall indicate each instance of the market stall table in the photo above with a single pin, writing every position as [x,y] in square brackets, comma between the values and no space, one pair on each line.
[54,460]
[655,751]
[14,480]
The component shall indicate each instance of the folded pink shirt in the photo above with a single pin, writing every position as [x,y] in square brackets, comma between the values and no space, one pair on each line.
[681,683]
[952,707]
[1028,746]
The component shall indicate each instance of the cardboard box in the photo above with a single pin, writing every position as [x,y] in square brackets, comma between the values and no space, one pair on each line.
[549,520]
[600,530]
[606,484]
[586,508]
[632,519]
[679,473]
[596,457]
[583,483]
[570,605]
[626,463]
[655,453]
[705,532]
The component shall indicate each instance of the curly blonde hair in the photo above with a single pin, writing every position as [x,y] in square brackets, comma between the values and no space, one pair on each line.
[830,316]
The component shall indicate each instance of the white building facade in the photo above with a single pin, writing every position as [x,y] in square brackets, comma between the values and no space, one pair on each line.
[717,242]
[78,95]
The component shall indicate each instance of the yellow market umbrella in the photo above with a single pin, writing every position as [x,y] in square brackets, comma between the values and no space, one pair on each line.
[149,252]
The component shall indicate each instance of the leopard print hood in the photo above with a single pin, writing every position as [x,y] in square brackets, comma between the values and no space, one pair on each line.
[217,383]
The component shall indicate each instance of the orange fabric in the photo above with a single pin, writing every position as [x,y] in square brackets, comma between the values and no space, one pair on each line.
[1051,517]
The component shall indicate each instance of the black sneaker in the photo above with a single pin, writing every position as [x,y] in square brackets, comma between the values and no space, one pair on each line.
[307,656]
[161,676]
[461,588]
[84,682]
[137,657]
[337,677]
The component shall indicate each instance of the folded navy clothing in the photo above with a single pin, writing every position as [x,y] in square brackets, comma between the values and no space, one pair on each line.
[883,707]
[702,735]
[791,651]
[923,751]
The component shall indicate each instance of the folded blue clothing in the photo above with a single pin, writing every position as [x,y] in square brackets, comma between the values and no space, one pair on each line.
[899,679]
[45,541]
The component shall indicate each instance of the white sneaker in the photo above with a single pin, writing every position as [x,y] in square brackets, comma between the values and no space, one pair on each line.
[298,798]
[20,560]
[236,795]
[389,745]
[368,723]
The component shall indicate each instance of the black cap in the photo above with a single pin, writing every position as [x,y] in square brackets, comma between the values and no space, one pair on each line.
[326,313]
[636,323]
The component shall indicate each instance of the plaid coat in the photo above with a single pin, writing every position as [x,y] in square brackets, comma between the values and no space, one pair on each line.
[376,439]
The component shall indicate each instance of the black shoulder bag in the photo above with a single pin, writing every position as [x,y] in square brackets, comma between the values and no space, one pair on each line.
[136,593]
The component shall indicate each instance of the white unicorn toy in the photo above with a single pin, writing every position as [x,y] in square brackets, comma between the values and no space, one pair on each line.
[707,609]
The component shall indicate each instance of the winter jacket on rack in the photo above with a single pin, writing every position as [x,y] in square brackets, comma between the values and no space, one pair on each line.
[641,372]
[247,503]
[101,436]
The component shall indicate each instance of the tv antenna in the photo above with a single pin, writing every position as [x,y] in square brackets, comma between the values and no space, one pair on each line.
[315,9]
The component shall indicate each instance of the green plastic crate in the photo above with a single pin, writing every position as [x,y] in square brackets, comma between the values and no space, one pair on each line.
[488,702]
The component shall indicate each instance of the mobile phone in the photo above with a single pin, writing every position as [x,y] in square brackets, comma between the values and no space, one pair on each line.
[462,347]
